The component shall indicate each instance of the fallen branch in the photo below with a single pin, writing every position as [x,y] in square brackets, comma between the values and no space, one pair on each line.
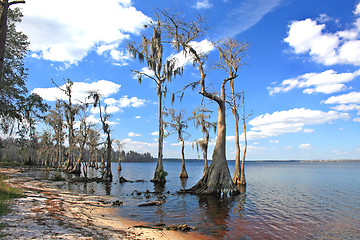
[154,203]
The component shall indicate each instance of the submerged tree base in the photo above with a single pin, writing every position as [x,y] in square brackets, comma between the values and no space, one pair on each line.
[217,181]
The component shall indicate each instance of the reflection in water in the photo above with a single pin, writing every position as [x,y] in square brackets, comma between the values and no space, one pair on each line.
[217,214]
[183,182]
[107,187]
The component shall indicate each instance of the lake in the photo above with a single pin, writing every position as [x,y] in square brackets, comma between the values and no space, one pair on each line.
[283,200]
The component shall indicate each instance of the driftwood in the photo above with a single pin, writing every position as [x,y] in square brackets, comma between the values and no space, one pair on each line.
[161,226]
[147,192]
[153,203]
[122,180]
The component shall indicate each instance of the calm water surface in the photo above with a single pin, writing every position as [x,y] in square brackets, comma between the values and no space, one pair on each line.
[283,200]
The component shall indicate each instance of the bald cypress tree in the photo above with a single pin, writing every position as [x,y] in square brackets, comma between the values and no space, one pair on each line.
[162,71]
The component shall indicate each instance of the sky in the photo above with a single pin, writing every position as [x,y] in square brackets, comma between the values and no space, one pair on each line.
[301,75]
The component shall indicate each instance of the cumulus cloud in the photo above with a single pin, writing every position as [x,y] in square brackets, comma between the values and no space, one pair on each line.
[202,4]
[291,121]
[80,90]
[66,31]
[114,105]
[325,82]
[341,47]
[348,98]
[346,102]
[132,134]
[305,146]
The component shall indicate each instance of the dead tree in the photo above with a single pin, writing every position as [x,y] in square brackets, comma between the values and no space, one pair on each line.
[231,54]
[242,181]
[162,71]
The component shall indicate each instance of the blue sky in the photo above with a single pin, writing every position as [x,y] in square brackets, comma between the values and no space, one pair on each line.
[301,78]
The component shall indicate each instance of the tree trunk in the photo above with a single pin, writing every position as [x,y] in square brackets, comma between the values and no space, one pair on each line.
[108,174]
[237,171]
[217,179]
[119,166]
[3,29]
[160,175]
[242,178]
[205,153]
[183,173]
[77,167]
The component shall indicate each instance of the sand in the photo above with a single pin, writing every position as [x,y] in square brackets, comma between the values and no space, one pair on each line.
[45,212]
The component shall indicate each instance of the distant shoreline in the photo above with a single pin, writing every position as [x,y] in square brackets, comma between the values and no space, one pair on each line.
[314,160]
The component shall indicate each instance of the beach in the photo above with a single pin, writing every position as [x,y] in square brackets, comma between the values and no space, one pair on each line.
[45,212]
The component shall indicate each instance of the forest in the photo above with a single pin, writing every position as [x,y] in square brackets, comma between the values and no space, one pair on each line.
[71,142]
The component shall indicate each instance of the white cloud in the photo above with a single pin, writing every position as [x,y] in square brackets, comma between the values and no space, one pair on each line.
[342,47]
[349,98]
[274,141]
[200,4]
[308,130]
[79,90]
[180,143]
[132,134]
[156,133]
[114,105]
[347,108]
[231,138]
[203,47]
[138,117]
[291,121]
[140,146]
[305,146]
[325,82]
[68,30]
[356,119]
[244,16]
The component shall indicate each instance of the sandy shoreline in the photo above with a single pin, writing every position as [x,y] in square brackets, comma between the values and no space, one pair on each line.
[49,213]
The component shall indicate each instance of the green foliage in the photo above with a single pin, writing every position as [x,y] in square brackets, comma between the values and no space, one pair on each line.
[6,193]
[161,174]
[13,82]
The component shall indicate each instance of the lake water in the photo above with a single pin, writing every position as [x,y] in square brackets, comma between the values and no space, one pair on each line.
[283,200]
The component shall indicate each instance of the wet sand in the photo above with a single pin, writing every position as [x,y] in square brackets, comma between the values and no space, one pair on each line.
[45,212]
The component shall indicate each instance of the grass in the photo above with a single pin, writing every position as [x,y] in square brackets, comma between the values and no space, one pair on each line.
[7,193]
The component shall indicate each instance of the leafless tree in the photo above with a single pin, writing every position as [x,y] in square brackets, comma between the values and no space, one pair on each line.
[231,55]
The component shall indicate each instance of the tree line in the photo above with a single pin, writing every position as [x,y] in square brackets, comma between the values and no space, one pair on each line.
[168,29]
